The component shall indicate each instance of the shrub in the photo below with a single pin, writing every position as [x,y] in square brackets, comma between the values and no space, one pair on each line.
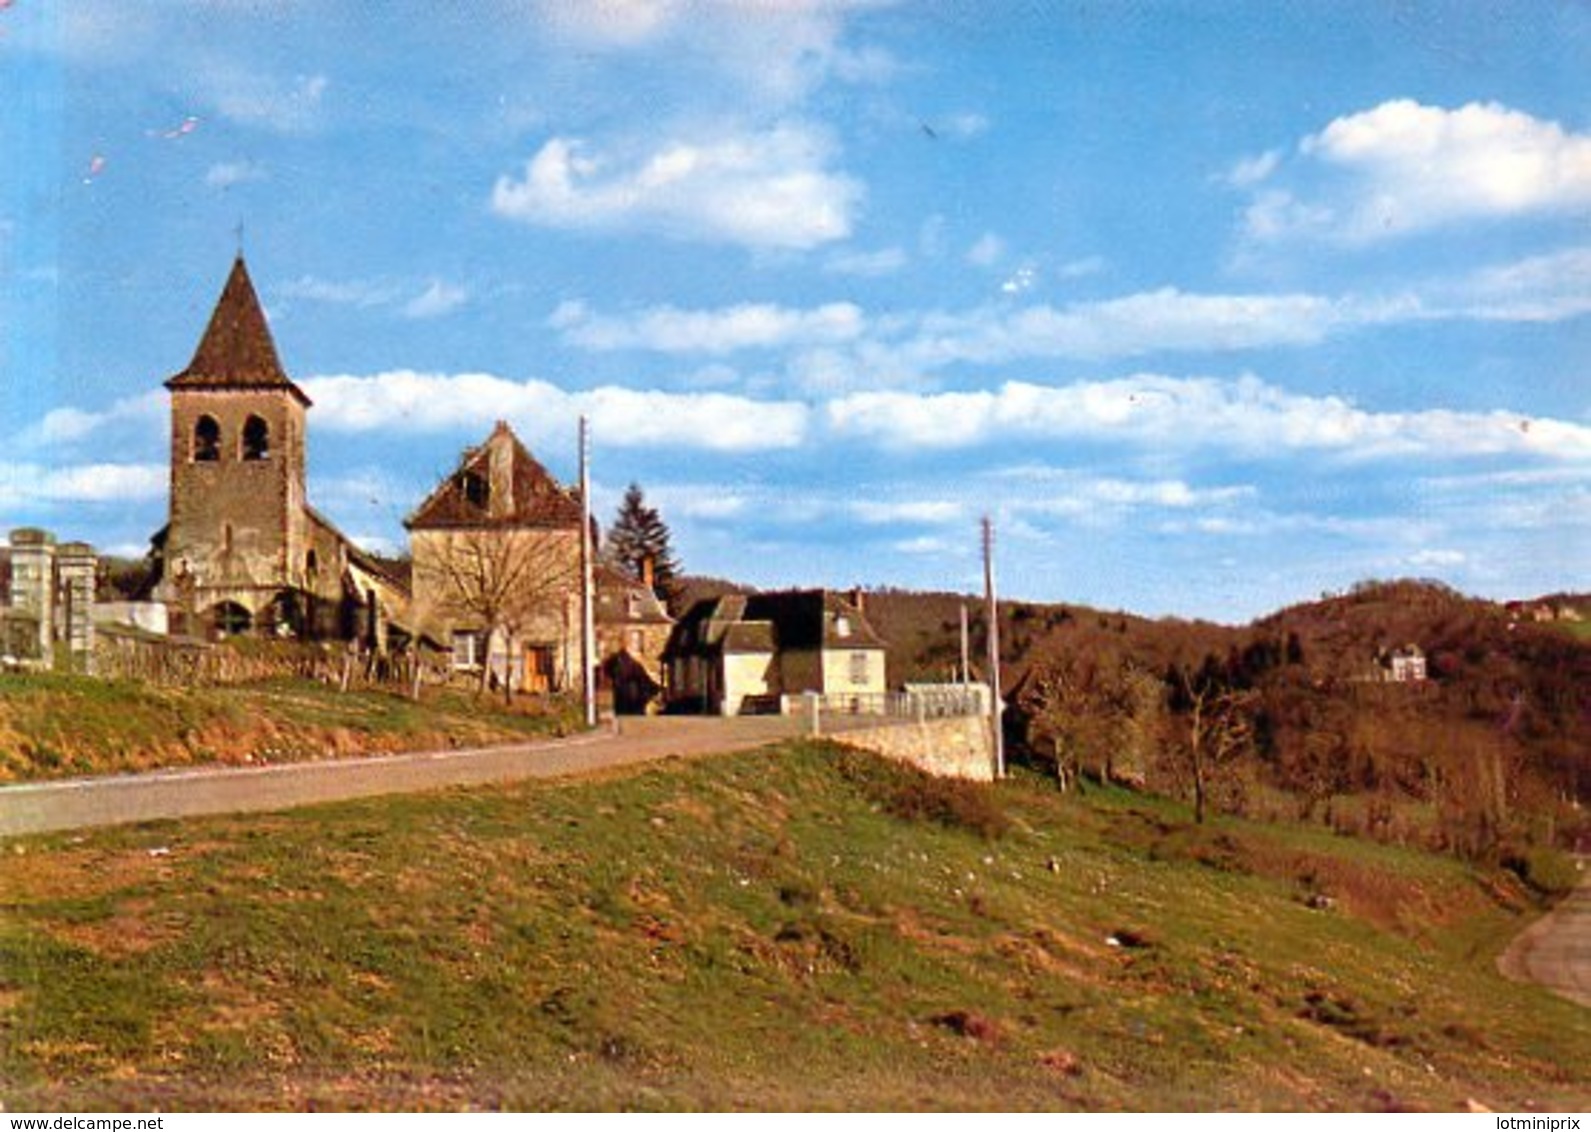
[913,795]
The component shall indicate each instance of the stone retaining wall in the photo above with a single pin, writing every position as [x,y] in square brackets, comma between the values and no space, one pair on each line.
[951,748]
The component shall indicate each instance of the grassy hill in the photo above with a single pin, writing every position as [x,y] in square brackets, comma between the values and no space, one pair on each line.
[803,928]
[54,726]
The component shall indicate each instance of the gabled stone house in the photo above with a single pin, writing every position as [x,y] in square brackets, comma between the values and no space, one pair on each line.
[745,652]
[496,567]
[633,629]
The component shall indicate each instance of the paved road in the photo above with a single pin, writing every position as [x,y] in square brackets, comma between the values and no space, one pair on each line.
[82,802]
[1555,951]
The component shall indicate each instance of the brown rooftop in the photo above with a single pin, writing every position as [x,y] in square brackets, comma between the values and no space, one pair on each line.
[236,351]
[498,484]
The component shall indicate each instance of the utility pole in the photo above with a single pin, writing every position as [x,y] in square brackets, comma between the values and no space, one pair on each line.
[996,706]
[588,631]
[966,648]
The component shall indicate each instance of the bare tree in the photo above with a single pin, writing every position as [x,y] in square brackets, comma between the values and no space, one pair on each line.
[498,581]
[1219,730]
[1103,711]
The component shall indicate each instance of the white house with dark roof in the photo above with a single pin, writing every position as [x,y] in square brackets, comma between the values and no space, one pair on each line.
[743,652]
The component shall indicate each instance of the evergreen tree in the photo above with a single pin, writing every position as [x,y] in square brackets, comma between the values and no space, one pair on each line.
[639,535]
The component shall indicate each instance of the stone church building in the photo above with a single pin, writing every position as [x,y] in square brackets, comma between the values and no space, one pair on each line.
[242,551]
[494,574]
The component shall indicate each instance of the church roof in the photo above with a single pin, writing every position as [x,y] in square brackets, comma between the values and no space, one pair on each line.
[236,351]
[498,484]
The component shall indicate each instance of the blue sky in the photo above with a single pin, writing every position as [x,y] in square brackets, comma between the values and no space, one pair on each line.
[1213,307]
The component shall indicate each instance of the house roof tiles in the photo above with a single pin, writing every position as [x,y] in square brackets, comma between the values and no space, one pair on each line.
[498,484]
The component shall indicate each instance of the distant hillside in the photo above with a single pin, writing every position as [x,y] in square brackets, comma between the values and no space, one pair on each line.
[1489,751]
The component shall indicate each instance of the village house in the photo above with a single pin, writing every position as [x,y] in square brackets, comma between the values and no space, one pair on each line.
[496,567]
[1404,665]
[496,574]
[242,551]
[633,629]
[744,653]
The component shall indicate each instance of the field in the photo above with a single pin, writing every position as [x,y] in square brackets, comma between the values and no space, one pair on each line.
[795,928]
[55,726]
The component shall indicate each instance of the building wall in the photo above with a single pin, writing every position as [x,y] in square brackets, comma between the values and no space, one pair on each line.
[644,641]
[546,612]
[747,674]
[839,676]
[238,527]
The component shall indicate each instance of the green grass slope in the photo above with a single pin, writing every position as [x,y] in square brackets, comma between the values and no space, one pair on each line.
[795,928]
[56,726]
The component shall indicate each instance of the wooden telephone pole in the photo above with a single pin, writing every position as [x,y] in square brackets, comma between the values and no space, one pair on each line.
[588,632]
[996,705]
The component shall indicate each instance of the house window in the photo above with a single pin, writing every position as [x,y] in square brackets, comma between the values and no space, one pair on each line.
[859,669]
[469,648]
[256,439]
[206,440]
[475,488]
[842,626]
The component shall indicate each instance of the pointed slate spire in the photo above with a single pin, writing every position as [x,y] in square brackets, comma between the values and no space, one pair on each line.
[236,351]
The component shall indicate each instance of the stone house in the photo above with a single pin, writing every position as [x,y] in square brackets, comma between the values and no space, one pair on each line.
[633,630]
[744,652]
[496,567]
[242,550]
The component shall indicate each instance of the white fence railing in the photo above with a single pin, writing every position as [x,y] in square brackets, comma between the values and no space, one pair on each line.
[919,702]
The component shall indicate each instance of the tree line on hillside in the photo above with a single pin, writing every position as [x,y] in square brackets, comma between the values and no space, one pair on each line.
[1291,716]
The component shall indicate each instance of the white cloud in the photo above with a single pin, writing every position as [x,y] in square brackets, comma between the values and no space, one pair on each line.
[986,250]
[1081,268]
[610,23]
[437,299]
[1020,281]
[1544,288]
[25,483]
[406,401]
[843,340]
[929,511]
[708,502]
[66,424]
[229,173]
[767,189]
[963,125]
[252,98]
[741,327]
[1067,491]
[347,292]
[1404,167]
[1251,171]
[1245,416]
[872,265]
[1440,557]
[772,53]
[1167,319]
